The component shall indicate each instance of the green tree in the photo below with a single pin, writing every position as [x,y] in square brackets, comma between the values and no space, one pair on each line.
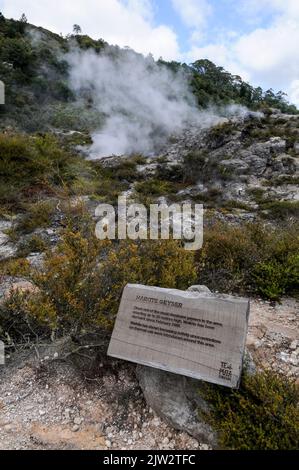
[77,29]
[23,18]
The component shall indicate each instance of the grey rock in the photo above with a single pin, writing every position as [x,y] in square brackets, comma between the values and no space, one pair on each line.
[36,260]
[277,144]
[284,163]
[239,166]
[148,169]
[261,149]
[248,363]
[7,249]
[176,399]
[200,288]
[294,344]
[256,163]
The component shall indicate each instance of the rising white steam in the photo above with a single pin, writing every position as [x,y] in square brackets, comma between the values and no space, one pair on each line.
[142,102]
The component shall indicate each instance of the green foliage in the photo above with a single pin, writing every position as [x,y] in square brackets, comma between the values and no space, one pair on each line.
[19,267]
[110,182]
[155,188]
[270,279]
[210,198]
[250,258]
[198,167]
[25,316]
[194,165]
[258,194]
[282,209]
[126,170]
[33,165]
[284,179]
[221,134]
[33,71]
[280,127]
[73,117]
[34,244]
[85,42]
[234,204]
[212,84]
[82,280]
[173,173]
[37,215]
[274,278]
[262,415]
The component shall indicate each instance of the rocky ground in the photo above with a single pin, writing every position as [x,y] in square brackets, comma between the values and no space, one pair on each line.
[48,403]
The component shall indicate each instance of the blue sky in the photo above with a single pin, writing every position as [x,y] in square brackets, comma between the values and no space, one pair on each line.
[224,16]
[257,39]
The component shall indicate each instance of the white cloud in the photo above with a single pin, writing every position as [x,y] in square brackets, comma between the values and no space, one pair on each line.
[270,55]
[294,92]
[255,7]
[267,56]
[192,12]
[123,22]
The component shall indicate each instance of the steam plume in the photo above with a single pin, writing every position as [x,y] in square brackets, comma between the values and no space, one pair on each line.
[142,102]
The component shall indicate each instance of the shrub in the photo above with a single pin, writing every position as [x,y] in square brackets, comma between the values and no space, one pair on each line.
[15,267]
[221,134]
[162,263]
[72,116]
[250,258]
[33,244]
[262,415]
[154,187]
[30,165]
[126,169]
[284,179]
[25,316]
[174,173]
[82,281]
[282,209]
[194,166]
[211,198]
[37,215]
[234,204]
[270,279]
[199,167]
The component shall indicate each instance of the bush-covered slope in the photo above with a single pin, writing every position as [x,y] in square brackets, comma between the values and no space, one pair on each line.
[38,96]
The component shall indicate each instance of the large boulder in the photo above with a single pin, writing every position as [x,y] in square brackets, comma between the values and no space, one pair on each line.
[176,399]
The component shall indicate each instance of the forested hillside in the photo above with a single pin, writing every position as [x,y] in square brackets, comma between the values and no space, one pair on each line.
[38,94]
